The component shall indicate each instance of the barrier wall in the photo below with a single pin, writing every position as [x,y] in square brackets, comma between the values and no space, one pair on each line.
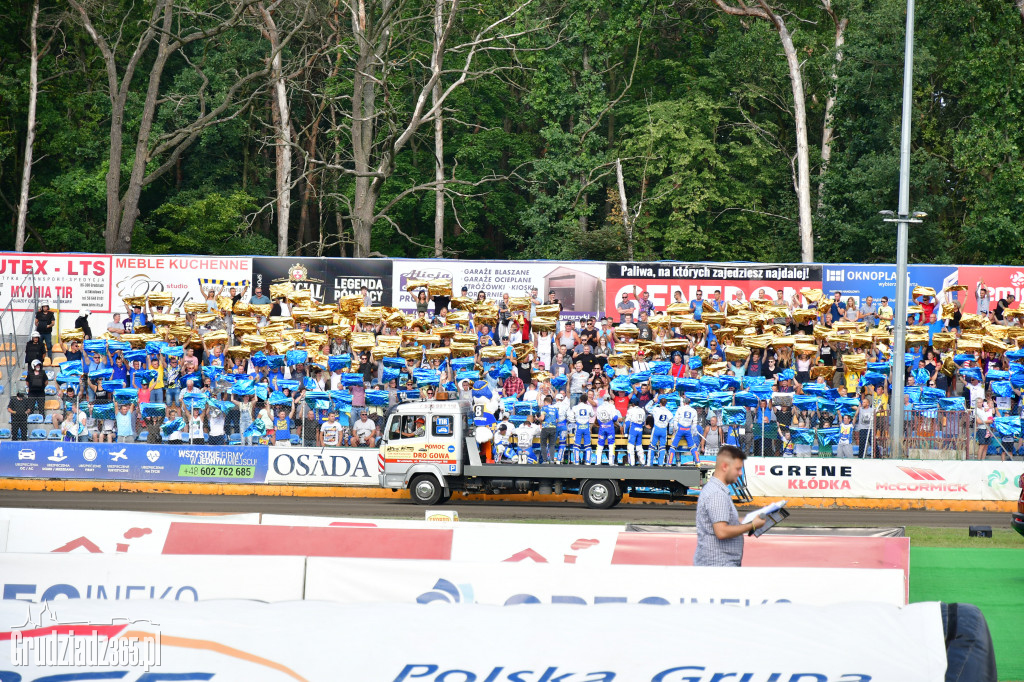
[97,282]
[473,642]
[263,468]
[365,581]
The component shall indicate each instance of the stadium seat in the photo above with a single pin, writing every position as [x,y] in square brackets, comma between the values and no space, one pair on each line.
[2,389]
[35,418]
[37,434]
[24,375]
[52,404]
[142,437]
[50,390]
[235,439]
[295,440]
[5,434]
[50,375]
[54,434]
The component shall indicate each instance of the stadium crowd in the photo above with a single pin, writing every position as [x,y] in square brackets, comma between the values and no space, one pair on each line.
[778,375]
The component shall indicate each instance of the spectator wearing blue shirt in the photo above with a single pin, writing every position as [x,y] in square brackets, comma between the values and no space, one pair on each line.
[136,320]
[838,309]
[258,298]
[283,426]
[697,305]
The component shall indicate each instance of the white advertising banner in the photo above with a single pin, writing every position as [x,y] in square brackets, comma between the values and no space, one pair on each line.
[177,275]
[367,581]
[529,542]
[66,282]
[43,577]
[883,478]
[578,285]
[88,531]
[323,466]
[233,640]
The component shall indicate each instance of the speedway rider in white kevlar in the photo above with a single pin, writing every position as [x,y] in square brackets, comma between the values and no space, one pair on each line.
[606,415]
[582,416]
[659,434]
[636,416]
[525,434]
[685,419]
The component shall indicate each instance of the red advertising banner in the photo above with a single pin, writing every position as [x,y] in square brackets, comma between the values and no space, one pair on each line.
[65,282]
[1000,281]
[662,280]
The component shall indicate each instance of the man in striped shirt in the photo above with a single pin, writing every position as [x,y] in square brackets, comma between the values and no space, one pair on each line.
[719,531]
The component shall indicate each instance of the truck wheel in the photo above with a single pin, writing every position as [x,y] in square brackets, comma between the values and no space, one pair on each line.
[425,489]
[618,498]
[445,496]
[599,494]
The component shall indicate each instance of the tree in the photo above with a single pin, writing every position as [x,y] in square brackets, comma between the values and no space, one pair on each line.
[30,129]
[173,28]
[802,180]
[383,49]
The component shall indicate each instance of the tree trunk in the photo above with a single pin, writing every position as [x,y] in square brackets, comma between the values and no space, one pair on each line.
[803,189]
[30,133]
[830,103]
[626,222]
[283,137]
[310,184]
[438,133]
[364,115]
[121,240]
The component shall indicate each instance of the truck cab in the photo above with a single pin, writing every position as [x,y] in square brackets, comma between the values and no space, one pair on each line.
[430,441]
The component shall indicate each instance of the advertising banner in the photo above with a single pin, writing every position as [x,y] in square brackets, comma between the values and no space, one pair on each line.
[99,531]
[323,466]
[177,275]
[662,280]
[368,581]
[133,462]
[999,282]
[860,281]
[561,543]
[884,479]
[289,641]
[42,577]
[328,279]
[66,282]
[578,285]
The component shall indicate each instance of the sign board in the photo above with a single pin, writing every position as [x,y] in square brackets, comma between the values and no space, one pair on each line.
[323,466]
[883,478]
[359,581]
[289,641]
[133,462]
[42,577]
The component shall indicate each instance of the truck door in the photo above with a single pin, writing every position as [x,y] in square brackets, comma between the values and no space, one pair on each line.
[406,439]
[444,437]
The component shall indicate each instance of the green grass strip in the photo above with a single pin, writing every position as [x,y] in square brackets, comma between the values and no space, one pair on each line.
[991,579]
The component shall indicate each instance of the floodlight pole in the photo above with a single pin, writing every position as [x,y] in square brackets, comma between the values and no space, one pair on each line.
[902,219]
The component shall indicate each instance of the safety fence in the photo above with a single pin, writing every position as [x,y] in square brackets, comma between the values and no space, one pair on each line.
[777,431]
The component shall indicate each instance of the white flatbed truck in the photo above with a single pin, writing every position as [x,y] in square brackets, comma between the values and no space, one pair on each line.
[439,455]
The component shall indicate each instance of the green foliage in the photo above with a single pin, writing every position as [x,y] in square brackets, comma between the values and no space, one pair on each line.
[695,103]
[205,222]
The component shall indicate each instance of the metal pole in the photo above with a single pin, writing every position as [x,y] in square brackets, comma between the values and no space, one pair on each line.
[903,217]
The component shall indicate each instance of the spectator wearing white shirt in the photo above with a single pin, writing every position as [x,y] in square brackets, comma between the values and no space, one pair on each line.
[364,430]
[331,431]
